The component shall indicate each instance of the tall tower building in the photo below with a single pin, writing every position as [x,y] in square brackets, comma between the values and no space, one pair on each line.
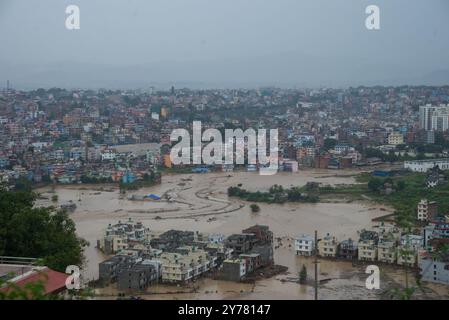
[434,118]
[425,117]
[440,118]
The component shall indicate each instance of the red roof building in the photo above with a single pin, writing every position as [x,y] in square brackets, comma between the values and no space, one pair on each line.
[54,281]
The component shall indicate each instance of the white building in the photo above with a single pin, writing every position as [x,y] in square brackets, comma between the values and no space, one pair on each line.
[155,116]
[108,155]
[290,166]
[216,238]
[425,117]
[440,121]
[436,271]
[304,245]
[434,118]
[425,165]
[342,149]
[412,241]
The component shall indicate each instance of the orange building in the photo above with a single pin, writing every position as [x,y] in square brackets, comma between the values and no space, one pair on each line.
[167,161]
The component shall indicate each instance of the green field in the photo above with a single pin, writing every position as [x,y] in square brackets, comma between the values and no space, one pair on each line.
[407,190]
[402,192]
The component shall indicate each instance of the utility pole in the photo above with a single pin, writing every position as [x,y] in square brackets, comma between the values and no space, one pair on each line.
[316,264]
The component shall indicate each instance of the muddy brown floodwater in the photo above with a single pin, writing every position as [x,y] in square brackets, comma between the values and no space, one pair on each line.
[201,204]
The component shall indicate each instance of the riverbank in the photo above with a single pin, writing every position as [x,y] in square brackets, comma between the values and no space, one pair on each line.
[402,192]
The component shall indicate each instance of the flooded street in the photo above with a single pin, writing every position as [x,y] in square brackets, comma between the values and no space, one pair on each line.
[201,204]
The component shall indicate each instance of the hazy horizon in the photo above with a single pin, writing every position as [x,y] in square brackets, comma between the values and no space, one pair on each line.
[234,43]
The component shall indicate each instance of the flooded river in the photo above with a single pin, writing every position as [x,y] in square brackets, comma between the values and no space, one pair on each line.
[201,204]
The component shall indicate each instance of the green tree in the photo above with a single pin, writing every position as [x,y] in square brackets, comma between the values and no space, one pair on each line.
[329,144]
[401,185]
[303,275]
[26,231]
[375,184]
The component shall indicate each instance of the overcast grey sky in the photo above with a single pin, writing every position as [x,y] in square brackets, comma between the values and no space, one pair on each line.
[137,43]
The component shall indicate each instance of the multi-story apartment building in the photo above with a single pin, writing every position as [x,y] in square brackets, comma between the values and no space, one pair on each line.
[389,230]
[185,264]
[216,238]
[405,256]
[327,247]
[108,155]
[427,210]
[112,244]
[137,277]
[434,118]
[241,243]
[386,251]
[435,270]
[348,249]
[407,251]
[304,245]
[395,138]
[130,273]
[234,269]
[253,261]
[305,152]
[117,237]
[262,233]
[425,117]
[367,249]
[413,241]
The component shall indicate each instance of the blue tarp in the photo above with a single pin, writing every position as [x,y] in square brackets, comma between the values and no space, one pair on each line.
[381,173]
[154,197]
